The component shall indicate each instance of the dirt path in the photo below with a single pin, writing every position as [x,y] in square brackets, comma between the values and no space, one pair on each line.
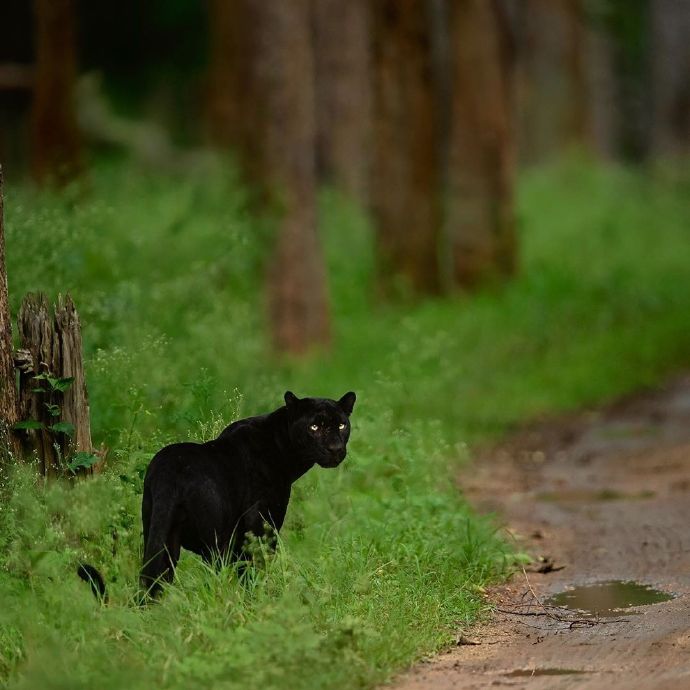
[607,495]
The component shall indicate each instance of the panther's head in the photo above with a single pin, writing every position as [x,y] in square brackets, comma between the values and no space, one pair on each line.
[319,428]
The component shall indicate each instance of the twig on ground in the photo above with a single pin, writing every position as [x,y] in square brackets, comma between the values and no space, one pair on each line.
[558,614]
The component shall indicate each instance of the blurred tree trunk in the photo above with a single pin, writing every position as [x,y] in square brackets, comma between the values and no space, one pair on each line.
[16,84]
[8,390]
[297,283]
[670,58]
[629,29]
[263,104]
[223,119]
[231,94]
[479,223]
[552,78]
[343,94]
[601,92]
[405,171]
[56,147]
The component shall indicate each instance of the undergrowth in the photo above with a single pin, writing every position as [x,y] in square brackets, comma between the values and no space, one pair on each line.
[380,560]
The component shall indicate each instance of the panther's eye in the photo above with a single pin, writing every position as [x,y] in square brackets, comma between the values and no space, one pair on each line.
[314,427]
[341,427]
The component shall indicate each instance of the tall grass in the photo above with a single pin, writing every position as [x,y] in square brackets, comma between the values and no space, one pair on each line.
[381,558]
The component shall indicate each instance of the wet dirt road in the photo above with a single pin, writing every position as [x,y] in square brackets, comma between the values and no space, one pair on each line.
[607,496]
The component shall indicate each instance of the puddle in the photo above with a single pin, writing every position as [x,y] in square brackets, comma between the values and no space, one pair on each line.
[608,599]
[529,673]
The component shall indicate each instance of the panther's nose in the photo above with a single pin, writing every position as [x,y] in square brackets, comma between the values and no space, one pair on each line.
[335,447]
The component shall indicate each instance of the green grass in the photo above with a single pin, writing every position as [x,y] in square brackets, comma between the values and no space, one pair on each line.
[381,559]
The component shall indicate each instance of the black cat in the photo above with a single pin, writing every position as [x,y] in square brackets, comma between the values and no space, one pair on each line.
[208,497]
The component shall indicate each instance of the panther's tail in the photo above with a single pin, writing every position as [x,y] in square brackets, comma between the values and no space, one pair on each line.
[91,575]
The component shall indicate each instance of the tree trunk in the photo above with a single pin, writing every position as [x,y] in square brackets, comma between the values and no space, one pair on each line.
[629,28]
[343,94]
[228,73]
[405,174]
[268,72]
[670,58]
[52,347]
[480,225]
[8,387]
[16,83]
[56,148]
[601,92]
[298,299]
[552,78]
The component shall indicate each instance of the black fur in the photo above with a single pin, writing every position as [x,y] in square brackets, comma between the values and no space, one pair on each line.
[89,574]
[207,497]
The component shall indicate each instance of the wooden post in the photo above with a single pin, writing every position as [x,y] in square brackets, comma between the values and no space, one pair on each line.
[8,388]
[57,400]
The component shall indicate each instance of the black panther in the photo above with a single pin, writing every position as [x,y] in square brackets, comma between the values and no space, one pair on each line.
[209,497]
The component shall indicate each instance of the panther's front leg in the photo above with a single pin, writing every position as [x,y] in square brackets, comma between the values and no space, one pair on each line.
[262,522]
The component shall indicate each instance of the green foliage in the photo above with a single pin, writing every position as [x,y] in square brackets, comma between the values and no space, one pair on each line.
[53,388]
[54,383]
[82,460]
[28,424]
[62,428]
[380,558]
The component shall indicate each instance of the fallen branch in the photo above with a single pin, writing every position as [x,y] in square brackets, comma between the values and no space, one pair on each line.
[559,614]
[566,616]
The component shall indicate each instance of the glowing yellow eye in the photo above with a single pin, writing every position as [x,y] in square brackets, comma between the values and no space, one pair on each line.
[314,427]
[341,427]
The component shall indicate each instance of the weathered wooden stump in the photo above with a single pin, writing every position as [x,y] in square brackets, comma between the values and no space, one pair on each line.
[53,402]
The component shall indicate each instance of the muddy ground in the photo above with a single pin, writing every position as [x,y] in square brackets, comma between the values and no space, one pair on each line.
[606,495]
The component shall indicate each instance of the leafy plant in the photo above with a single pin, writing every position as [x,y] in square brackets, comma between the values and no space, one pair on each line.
[54,387]
[54,383]
[82,460]
[63,428]
[28,424]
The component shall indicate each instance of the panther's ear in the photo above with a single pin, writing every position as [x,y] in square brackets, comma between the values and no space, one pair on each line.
[347,402]
[290,398]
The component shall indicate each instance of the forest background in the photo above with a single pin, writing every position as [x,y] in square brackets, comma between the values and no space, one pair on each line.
[474,213]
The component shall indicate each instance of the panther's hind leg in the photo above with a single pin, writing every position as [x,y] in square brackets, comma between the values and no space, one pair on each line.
[161,546]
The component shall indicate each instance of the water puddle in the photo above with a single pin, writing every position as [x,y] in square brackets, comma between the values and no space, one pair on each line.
[608,599]
[529,672]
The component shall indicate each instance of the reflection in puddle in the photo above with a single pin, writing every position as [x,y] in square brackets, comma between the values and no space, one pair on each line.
[607,599]
[529,672]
